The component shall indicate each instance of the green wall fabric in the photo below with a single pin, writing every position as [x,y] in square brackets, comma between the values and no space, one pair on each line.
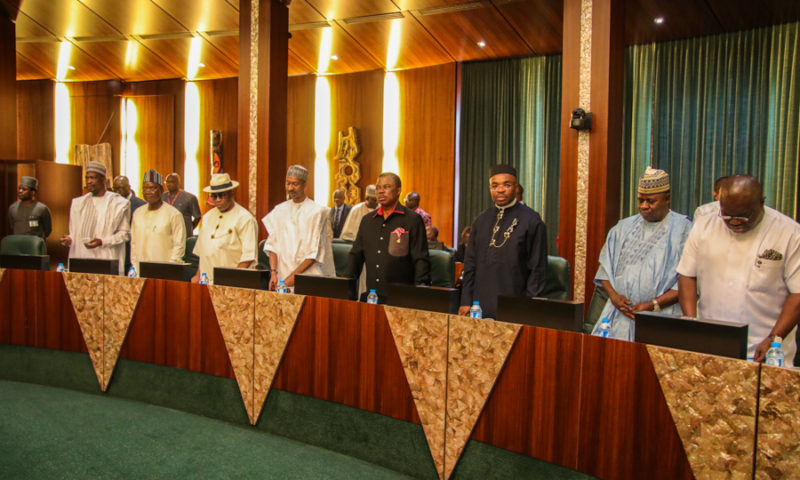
[706,107]
[509,113]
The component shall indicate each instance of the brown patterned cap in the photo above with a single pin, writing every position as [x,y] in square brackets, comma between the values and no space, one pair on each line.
[654,181]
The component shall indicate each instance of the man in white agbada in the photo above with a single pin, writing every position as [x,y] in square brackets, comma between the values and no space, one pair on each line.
[639,258]
[299,240]
[370,203]
[228,234]
[158,233]
[99,222]
[744,262]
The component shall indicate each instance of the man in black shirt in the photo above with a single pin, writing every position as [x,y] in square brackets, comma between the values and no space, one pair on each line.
[507,249]
[391,242]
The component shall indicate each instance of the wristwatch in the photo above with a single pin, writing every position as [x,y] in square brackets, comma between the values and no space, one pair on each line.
[656,306]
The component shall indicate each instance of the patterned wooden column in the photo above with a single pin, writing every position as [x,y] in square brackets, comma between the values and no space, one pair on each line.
[593,67]
[263,70]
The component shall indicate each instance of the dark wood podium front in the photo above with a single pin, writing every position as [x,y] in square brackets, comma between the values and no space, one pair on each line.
[608,408]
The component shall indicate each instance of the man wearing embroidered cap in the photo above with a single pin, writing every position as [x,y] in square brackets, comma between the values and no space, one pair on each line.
[228,235]
[157,231]
[507,250]
[639,258]
[745,264]
[28,216]
[99,222]
[299,240]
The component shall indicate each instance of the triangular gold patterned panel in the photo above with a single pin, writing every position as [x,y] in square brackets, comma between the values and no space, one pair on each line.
[712,401]
[477,351]
[121,295]
[778,452]
[276,315]
[236,315]
[421,340]
[86,293]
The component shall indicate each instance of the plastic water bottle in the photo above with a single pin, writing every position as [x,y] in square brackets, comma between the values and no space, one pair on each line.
[372,297]
[281,287]
[204,279]
[60,268]
[475,310]
[132,272]
[775,354]
[604,330]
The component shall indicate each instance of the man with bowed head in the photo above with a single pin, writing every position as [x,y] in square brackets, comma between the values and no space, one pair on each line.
[744,262]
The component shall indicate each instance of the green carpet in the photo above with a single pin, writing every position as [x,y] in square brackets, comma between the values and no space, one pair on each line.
[48,432]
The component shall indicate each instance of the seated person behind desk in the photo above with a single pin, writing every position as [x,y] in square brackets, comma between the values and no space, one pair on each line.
[158,233]
[390,242]
[433,238]
[228,235]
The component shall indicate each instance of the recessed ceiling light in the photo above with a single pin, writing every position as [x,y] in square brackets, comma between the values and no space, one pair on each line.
[658,20]
[334,57]
[481,44]
[70,67]
[201,64]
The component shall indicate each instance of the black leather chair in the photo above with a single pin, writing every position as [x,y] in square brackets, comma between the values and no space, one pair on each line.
[443,268]
[340,253]
[557,285]
[263,257]
[598,302]
[190,258]
[22,245]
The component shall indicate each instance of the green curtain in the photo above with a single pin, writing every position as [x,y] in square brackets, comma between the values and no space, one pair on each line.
[509,113]
[706,107]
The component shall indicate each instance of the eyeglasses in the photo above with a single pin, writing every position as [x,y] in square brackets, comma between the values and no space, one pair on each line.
[219,195]
[726,218]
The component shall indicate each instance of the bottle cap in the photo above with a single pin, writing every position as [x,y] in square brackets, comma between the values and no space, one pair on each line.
[371,290]
[606,319]
[775,344]
[475,302]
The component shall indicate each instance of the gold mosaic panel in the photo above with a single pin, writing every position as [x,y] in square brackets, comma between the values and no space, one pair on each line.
[713,404]
[252,172]
[236,315]
[121,295]
[275,317]
[778,454]
[421,340]
[477,351]
[86,293]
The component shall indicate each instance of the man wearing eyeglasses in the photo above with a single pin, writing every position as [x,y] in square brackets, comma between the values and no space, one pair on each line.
[228,235]
[639,258]
[744,263]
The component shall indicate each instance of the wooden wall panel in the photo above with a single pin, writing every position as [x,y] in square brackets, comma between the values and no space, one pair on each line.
[93,106]
[540,382]
[36,120]
[300,124]
[366,374]
[427,141]
[218,109]
[8,88]
[58,185]
[357,100]
[155,134]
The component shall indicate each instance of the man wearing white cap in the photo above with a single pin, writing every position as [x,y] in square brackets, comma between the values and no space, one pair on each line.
[369,204]
[28,216]
[158,233]
[639,259]
[299,239]
[228,235]
[99,222]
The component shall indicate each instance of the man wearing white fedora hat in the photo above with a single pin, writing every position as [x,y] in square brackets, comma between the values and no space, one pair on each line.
[228,234]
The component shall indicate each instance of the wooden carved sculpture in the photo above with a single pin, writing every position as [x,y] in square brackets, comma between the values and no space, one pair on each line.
[349,172]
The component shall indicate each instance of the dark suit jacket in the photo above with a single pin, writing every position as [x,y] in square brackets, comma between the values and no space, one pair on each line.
[337,226]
